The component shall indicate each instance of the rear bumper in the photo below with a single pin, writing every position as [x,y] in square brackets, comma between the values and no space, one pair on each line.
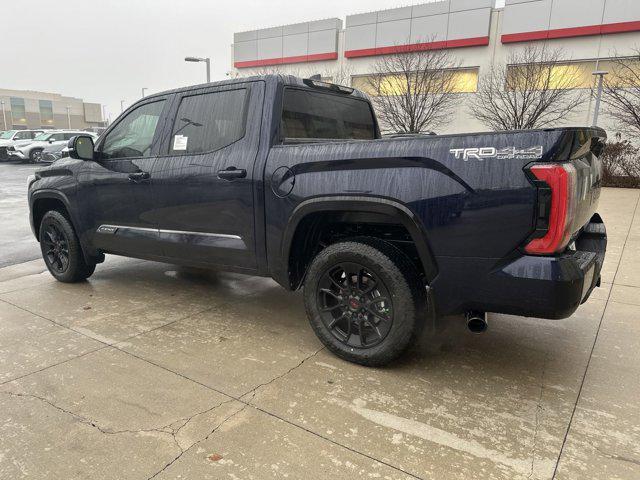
[531,286]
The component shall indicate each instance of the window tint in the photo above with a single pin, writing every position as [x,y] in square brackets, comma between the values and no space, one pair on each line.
[133,135]
[69,136]
[208,122]
[308,114]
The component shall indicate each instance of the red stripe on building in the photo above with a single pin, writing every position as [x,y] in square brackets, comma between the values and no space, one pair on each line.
[316,57]
[572,32]
[418,47]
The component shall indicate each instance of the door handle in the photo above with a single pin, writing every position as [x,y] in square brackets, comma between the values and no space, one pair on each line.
[139,177]
[232,173]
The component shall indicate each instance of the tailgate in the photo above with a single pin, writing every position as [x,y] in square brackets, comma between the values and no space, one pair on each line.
[585,158]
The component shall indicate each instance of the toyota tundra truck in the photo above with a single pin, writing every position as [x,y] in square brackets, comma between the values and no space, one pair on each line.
[291,179]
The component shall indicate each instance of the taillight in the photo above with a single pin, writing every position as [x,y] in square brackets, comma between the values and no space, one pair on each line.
[561,180]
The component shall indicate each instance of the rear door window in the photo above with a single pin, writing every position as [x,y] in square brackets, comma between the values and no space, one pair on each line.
[209,122]
[310,114]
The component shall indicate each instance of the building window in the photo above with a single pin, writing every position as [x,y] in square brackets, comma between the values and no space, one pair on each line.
[463,80]
[46,113]
[562,76]
[572,75]
[18,112]
[624,72]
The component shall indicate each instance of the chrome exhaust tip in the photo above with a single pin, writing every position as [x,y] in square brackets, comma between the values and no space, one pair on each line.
[477,322]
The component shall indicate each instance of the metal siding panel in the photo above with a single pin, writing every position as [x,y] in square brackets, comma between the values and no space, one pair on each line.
[325,41]
[269,48]
[245,36]
[269,32]
[513,2]
[327,24]
[526,17]
[361,37]
[295,29]
[429,29]
[295,45]
[618,11]
[469,24]
[394,33]
[427,9]
[461,5]
[394,14]
[362,19]
[245,51]
[572,13]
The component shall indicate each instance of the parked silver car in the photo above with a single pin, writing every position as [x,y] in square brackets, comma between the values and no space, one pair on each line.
[31,150]
[11,138]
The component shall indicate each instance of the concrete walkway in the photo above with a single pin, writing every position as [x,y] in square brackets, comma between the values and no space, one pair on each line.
[146,371]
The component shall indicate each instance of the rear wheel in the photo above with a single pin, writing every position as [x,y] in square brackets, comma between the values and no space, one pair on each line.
[61,249]
[365,300]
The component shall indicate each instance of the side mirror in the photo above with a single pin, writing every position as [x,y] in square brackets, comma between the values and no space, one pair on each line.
[81,147]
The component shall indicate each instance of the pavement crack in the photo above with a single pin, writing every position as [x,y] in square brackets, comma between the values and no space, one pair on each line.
[197,442]
[278,377]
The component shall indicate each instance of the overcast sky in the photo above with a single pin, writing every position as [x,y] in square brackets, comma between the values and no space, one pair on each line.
[107,50]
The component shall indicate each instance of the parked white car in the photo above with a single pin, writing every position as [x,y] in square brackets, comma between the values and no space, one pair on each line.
[31,150]
[12,137]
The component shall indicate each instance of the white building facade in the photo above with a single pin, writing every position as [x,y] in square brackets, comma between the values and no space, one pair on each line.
[590,33]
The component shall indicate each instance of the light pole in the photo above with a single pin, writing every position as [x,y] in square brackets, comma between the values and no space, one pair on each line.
[600,74]
[68,117]
[4,116]
[121,106]
[143,89]
[198,59]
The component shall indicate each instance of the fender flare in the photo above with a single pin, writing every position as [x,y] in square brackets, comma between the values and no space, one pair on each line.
[50,194]
[350,203]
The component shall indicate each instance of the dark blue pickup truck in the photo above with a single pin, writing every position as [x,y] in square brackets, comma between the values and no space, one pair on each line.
[290,178]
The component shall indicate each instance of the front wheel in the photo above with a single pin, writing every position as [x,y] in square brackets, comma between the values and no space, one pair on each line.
[365,300]
[61,249]
[34,155]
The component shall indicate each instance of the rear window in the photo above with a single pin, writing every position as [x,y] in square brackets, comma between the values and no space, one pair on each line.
[309,114]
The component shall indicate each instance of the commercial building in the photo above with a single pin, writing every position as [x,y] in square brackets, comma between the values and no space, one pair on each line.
[478,36]
[22,109]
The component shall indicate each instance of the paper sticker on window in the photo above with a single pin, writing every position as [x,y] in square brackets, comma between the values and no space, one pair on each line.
[180,142]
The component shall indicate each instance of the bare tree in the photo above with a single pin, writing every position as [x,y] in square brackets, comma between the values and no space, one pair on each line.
[413,92]
[621,94]
[535,88]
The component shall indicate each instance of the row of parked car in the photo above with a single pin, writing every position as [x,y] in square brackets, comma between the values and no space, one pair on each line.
[36,146]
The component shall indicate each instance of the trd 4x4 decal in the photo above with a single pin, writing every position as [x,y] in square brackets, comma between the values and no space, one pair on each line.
[482,153]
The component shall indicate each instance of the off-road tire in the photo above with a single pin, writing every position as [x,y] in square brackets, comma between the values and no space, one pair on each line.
[76,269]
[402,282]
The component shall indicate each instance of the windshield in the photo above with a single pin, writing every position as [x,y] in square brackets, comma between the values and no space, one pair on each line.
[41,137]
[7,135]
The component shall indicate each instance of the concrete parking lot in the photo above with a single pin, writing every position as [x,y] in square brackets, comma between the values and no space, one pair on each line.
[150,371]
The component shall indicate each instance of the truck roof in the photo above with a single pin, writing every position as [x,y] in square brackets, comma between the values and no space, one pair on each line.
[290,80]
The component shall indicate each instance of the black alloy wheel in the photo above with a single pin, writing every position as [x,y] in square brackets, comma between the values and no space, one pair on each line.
[56,248]
[61,249]
[355,305]
[365,300]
